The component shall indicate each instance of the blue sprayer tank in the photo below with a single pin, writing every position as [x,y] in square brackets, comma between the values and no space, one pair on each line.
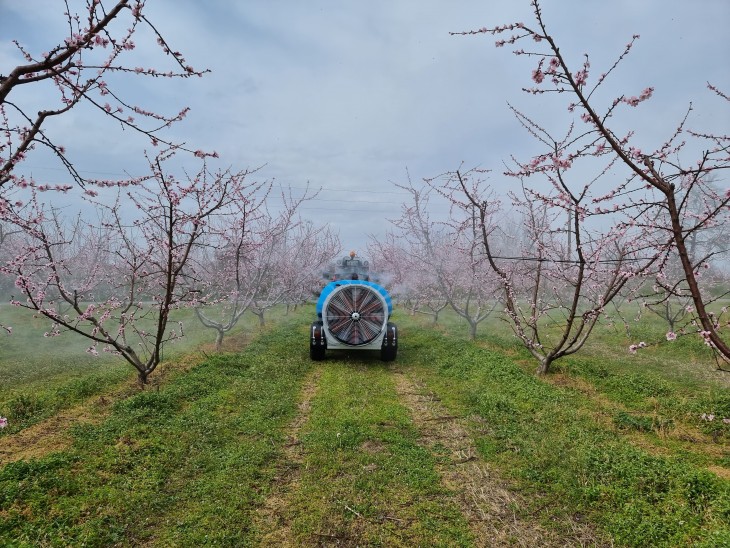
[353,313]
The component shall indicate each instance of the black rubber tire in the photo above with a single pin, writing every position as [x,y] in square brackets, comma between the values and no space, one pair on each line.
[317,351]
[389,350]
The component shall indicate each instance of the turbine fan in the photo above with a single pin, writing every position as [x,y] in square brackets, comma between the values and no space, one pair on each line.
[355,314]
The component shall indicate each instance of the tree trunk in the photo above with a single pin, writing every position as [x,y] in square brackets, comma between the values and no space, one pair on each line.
[712,336]
[544,367]
[262,320]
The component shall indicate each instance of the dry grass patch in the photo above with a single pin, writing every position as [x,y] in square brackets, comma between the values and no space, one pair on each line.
[271,520]
[53,434]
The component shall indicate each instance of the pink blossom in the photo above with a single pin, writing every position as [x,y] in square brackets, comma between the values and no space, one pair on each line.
[580,77]
[538,76]
[3,422]
[671,336]
[633,348]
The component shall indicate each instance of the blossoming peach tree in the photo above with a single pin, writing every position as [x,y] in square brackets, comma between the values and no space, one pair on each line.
[116,281]
[263,259]
[83,69]
[80,69]
[441,262]
[559,271]
[409,284]
[629,220]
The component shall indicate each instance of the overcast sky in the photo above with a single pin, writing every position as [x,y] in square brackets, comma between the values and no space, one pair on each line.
[349,95]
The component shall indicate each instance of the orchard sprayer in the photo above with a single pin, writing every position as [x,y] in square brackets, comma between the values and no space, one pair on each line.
[353,313]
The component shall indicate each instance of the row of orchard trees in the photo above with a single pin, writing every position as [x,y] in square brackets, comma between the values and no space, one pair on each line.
[596,219]
[593,220]
[208,239]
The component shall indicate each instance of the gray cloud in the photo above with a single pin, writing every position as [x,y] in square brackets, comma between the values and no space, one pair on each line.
[347,95]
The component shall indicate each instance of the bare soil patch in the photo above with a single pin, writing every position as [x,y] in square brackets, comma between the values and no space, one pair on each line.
[46,437]
[485,498]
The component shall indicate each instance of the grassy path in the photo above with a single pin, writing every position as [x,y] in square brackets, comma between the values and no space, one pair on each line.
[487,500]
[184,464]
[452,445]
[362,477]
[271,522]
[53,434]
[373,458]
[569,467]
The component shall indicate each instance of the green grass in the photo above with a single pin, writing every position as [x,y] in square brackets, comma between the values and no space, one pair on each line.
[43,375]
[365,478]
[680,380]
[549,440]
[613,440]
[686,360]
[181,465]
[188,463]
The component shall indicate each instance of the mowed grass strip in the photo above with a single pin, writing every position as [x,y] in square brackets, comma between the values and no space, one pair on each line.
[182,465]
[365,480]
[569,465]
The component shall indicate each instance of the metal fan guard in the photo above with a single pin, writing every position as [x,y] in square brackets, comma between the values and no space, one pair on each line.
[355,314]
